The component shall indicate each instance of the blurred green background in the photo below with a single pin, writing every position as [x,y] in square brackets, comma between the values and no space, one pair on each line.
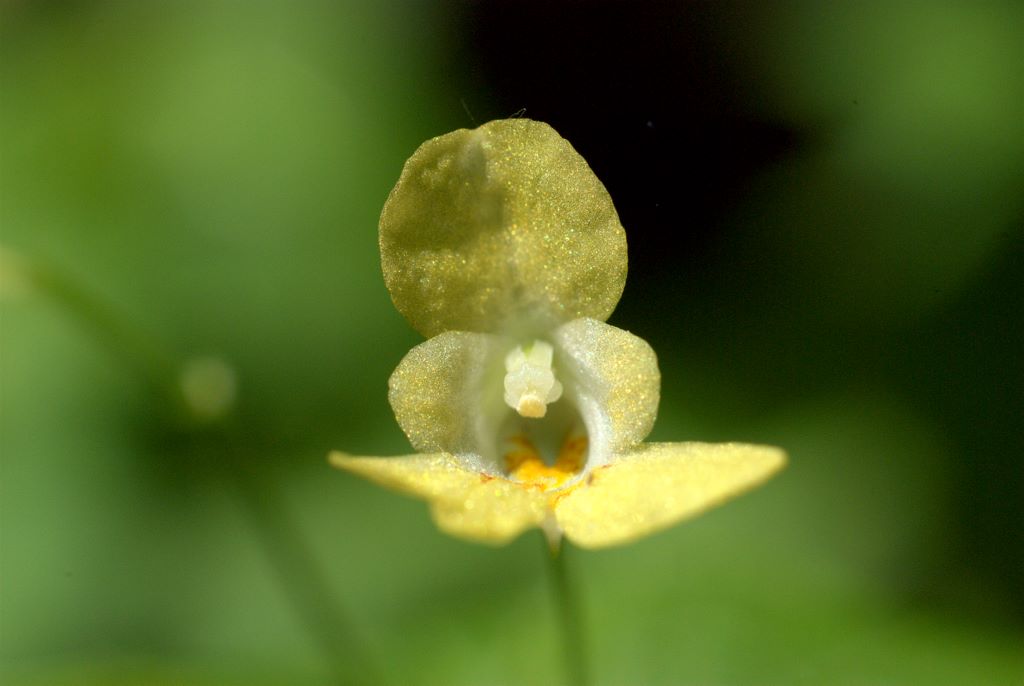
[825,211]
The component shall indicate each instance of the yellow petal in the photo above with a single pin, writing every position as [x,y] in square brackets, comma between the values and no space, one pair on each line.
[437,393]
[616,380]
[464,502]
[497,225]
[658,485]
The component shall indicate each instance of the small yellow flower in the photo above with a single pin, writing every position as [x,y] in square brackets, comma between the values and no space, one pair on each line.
[526,409]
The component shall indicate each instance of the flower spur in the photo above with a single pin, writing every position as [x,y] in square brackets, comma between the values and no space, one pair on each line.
[502,247]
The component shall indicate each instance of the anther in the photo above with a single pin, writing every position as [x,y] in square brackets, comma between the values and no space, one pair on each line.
[530,383]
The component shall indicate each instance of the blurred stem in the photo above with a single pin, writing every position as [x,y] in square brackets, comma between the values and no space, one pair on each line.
[567,608]
[151,360]
[302,581]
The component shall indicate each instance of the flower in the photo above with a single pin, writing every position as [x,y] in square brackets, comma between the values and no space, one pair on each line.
[527,410]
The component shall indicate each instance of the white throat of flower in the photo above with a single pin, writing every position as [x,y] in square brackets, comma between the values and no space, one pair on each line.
[541,443]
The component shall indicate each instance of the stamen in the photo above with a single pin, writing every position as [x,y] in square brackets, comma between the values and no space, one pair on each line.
[530,383]
[525,464]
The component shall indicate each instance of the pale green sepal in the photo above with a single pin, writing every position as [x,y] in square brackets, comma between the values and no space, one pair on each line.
[499,228]
[616,379]
[446,393]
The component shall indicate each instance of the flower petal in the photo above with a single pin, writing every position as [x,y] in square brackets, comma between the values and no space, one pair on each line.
[495,512]
[438,394]
[465,503]
[658,485]
[616,380]
[503,223]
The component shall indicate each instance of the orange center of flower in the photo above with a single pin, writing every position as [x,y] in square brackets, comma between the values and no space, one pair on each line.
[524,463]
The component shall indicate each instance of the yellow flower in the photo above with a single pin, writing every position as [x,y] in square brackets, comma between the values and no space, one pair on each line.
[526,409]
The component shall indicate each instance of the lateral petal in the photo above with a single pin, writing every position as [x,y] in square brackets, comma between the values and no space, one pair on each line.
[616,383]
[440,398]
[464,502]
[660,484]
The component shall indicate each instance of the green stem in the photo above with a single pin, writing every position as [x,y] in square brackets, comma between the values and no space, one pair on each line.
[153,362]
[567,608]
[302,581]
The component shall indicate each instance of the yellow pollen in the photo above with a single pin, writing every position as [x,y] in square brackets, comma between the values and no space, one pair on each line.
[532,406]
[525,465]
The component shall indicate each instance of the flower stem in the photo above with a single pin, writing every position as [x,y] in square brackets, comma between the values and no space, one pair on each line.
[302,581]
[154,364]
[567,608]
[301,578]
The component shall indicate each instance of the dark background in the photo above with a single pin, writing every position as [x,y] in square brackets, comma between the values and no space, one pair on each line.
[667,104]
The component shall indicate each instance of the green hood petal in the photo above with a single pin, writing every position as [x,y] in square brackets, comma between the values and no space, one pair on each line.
[501,228]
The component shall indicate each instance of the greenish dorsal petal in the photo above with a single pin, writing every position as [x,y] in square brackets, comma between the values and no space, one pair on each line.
[503,227]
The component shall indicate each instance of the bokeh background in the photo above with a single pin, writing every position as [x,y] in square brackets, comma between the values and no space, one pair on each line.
[826,222]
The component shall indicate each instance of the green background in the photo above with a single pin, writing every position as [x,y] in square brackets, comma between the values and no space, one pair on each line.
[213,173]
